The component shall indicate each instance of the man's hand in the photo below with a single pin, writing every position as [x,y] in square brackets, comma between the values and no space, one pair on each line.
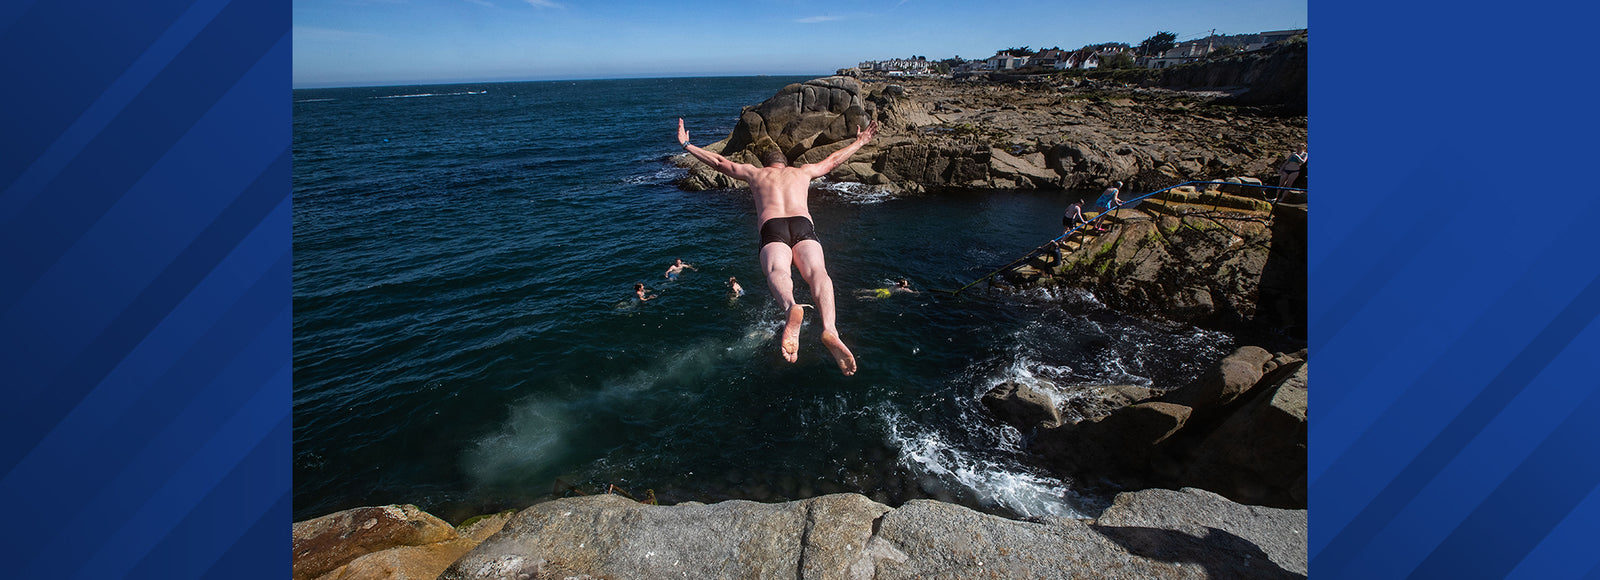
[866,134]
[683,134]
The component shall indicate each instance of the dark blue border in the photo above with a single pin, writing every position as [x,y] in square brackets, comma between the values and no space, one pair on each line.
[145,301]
[1454,296]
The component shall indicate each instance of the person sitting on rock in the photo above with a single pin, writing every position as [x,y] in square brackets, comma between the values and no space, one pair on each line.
[1289,170]
[788,235]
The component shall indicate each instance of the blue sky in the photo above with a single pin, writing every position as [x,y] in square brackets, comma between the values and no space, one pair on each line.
[381,42]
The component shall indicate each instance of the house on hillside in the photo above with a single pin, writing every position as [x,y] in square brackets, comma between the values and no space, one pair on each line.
[1005,61]
[1083,58]
[1181,54]
[1049,58]
[917,66]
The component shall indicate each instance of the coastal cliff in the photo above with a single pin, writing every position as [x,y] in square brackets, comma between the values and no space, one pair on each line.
[973,135]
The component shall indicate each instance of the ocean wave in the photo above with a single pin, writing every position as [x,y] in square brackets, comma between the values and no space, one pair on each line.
[431,95]
[314,100]
[859,193]
[993,483]
[659,177]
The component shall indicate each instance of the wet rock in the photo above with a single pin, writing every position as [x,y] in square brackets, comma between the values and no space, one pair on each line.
[320,545]
[1022,405]
[1223,383]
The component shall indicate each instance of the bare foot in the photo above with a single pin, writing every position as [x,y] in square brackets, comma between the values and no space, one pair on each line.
[847,361]
[791,333]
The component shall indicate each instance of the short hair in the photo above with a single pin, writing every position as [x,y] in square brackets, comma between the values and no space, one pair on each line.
[773,157]
[637,286]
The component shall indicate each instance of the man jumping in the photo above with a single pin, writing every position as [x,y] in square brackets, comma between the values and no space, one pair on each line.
[788,237]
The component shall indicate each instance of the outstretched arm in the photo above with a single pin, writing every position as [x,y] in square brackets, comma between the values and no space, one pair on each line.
[723,165]
[838,158]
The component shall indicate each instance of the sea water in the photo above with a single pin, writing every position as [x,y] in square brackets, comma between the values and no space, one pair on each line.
[466,336]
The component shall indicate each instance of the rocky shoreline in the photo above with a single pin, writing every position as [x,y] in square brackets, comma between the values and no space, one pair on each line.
[1231,445]
[940,135]
[1155,533]
[1221,257]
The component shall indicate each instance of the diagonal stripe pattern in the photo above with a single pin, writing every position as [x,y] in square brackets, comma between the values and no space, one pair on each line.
[144,301]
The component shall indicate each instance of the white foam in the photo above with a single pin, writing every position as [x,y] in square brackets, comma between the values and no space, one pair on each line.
[860,193]
[415,95]
[1013,487]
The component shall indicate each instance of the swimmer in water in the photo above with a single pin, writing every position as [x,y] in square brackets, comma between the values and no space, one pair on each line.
[676,267]
[734,290]
[638,290]
[900,285]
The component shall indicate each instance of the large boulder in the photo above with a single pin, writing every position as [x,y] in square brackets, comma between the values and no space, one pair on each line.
[1022,405]
[803,116]
[847,536]
[1239,430]
[1279,533]
[608,536]
[420,562]
[1226,268]
[1258,454]
[320,545]
[1223,383]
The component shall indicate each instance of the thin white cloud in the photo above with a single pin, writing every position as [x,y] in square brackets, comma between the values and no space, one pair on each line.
[815,19]
[314,34]
[543,4]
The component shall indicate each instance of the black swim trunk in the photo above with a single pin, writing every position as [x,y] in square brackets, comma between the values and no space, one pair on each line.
[788,230]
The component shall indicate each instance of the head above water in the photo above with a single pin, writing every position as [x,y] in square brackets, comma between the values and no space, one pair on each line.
[773,157]
[637,287]
[903,283]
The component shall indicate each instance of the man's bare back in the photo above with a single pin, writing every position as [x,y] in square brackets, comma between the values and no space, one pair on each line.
[780,192]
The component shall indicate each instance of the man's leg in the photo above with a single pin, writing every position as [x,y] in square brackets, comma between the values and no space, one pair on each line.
[808,258]
[776,259]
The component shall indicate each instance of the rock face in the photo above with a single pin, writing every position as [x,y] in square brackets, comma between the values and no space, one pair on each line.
[847,536]
[944,135]
[388,542]
[1238,430]
[1210,259]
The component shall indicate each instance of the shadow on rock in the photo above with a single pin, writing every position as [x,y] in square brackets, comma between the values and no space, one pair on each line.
[1220,553]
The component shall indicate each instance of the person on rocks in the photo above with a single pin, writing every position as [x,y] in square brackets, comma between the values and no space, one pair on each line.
[1112,196]
[788,236]
[1074,216]
[638,291]
[1289,170]
[677,267]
